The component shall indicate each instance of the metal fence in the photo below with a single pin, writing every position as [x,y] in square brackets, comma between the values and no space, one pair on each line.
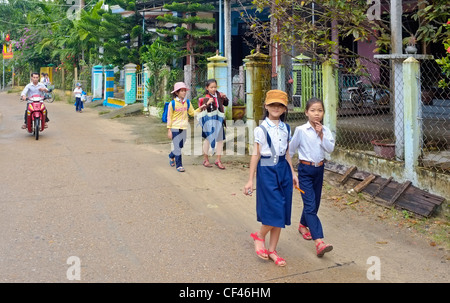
[370,115]
[436,118]
[197,78]
[366,115]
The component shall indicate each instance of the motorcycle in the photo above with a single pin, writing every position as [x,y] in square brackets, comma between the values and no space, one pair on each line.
[360,95]
[36,115]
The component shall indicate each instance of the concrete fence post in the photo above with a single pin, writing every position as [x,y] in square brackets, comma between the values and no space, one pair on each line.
[412,120]
[330,96]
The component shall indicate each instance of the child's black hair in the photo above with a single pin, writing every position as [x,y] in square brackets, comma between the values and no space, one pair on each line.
[208,83]
[312,101]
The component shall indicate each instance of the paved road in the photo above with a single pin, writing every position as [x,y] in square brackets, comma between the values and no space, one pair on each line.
[90,191]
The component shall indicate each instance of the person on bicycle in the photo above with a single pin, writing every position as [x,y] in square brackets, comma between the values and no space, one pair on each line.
[46,80]
[33,88]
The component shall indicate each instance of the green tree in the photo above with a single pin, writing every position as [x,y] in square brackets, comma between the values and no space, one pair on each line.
[444,62]
[158,58]
[308,25]
[189,33]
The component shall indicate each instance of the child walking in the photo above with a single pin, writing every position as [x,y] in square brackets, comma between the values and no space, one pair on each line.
[312,140]
[213,131]
[275,176]
[77,93]
[178,121]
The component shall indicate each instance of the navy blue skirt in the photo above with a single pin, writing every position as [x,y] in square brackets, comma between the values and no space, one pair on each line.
[274,192]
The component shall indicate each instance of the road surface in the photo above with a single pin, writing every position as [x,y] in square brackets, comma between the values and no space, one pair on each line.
[94,201]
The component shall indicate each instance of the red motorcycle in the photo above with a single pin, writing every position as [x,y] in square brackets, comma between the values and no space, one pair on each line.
[36,115]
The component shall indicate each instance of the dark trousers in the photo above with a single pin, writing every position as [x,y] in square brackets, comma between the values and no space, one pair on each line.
[178,139]
[78,104]
[310,181]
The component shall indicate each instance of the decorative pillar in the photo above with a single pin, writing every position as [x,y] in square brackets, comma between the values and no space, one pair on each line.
[109,84]
[258,82]
[130,83]
[217,69]
[146,77]
[97,81]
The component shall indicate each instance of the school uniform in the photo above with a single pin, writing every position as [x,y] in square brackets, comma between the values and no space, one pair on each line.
[311,155]
[178,122]
[213,118]
[273,175]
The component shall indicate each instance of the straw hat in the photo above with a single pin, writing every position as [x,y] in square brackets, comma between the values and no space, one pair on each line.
[276,96]
[178,86]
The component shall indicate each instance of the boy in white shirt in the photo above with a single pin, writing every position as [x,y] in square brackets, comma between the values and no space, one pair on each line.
[77,93]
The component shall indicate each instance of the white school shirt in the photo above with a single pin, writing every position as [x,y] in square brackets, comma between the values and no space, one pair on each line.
[310,147]
[278,134]
[78,91]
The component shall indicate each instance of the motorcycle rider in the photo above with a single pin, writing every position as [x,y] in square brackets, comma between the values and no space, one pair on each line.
[33,88]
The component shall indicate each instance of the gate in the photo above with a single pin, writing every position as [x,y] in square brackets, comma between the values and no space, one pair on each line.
[307,83]
[140,86]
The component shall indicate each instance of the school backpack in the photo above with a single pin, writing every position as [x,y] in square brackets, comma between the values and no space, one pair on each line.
[166,109]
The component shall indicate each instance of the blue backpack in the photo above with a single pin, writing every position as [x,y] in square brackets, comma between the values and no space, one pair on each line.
[166,109]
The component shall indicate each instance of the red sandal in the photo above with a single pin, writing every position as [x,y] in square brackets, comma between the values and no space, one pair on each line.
[307,235]
[219,165]
[262,253]
[207,164]
[279,261]
[323,248]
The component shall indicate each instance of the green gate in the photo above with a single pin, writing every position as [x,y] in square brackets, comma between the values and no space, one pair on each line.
[307,77]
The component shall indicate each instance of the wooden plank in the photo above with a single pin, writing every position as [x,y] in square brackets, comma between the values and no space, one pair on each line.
[347,174]
[382,186]
[358,188]
[400,190]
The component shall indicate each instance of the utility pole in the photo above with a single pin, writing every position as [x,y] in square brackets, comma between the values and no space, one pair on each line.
[396,75]
[3,64]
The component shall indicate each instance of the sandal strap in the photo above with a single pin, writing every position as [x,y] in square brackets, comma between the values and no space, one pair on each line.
[279,259]
[261,251]
[255,237]
[319,243]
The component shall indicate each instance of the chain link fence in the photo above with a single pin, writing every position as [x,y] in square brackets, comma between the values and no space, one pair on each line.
[370,115]
[197,77]
[367,115]
[436,118]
